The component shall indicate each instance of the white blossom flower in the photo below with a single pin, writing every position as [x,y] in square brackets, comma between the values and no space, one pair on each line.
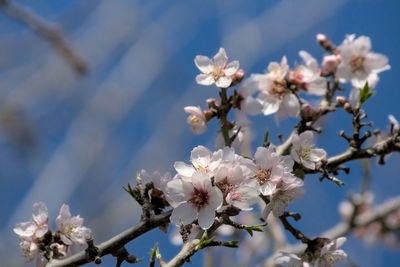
[308,76]
[394,122]
[290,189]
[268,170]
[289,260]
[302,151]
[358,64]
[196,119]
[72,231]
[37,227]
[196,199]
[202,159]
[30,251]
[274,95]
[217,71]
[159,181]
[237,189]
[331,254]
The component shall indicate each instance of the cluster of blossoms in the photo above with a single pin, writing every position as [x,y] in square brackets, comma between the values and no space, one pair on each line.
[38,242]
[222,182]
[216,180]
[323,256]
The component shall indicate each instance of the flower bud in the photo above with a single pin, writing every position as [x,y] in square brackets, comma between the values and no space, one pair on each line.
[238,76]
[341,100]
[330,63]
[321,38]
[212,103]
[348,107]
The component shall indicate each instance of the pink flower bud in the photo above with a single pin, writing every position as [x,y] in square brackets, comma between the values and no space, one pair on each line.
[212,103]
[321,38]
[341,100]
[330,63]
[348,107]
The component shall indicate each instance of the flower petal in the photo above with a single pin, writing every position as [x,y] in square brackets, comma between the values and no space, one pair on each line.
[204,79]
[184,213]
[220,59]
[204,64]
[206,217]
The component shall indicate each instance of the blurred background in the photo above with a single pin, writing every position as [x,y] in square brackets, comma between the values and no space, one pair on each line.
[75,128]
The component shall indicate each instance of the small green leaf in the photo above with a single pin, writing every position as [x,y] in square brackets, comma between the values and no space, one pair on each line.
[365,94]
[155,253]
[231,244]
[337,181]
[257,228]
[204,241]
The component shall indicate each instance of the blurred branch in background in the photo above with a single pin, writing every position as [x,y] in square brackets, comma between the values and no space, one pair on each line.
[47,30]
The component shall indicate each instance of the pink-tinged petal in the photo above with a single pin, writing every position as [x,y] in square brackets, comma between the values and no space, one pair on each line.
[296,141]
[204,64]
[224,82]
[343,72]
[204,79]
[41,231]
[201,181]
[295,156]
[250,86]
[262,157]
[317,87]
[307,139]
[220,59]
[291,105]
[184,169]
[194,110]
[340,241]
[231,68]
[268,188]
[267,210]
[39,213]
[317,154]
[184,213]
[206,217]
[251,106]
[215,198]
[375,62]
[65,240]
[176,192]
[270,103]
[25,229]
[362,45]
[308,164]
[278,208]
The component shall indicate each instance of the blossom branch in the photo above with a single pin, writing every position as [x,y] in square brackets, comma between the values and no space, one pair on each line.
[45,30]
[113,244]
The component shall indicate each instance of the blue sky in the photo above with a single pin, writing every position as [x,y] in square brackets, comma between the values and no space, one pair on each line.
[93,133]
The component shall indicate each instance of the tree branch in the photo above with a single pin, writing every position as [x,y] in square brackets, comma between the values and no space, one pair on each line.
[115,242]
[45,30]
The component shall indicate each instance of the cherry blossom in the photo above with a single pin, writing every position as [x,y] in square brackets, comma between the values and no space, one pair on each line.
[289,189]
[72,231]
[302,151]
[268,170]
[37,227]
[358,64]
[159,181]
[196,199]
[30,251]
[290,260]
[331,254]
[202,159]
[196,119]
[217,71]
[307,76]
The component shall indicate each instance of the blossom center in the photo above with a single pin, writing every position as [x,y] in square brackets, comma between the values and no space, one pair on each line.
[203,168]
[279,89]
[357,63]
[304,153]
[225,187]
[263,176]
[199,198]
[218,73]
[194,120]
